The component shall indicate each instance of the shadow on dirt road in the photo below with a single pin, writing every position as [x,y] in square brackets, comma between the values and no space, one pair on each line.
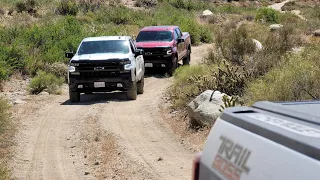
[117,96]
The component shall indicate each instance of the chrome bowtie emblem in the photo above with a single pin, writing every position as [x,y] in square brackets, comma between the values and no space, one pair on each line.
[99,68]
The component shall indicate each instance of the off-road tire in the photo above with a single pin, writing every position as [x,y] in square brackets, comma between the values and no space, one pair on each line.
[140,85]
[186,60]
[74,96]
[132,92]
[172,67]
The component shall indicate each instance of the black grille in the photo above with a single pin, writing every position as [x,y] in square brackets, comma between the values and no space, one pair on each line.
[93,74]
[154,51]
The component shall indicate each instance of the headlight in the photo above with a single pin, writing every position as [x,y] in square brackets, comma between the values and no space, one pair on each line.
[128,67]
[71,68]
[168,50]
[74,64]
[125,62]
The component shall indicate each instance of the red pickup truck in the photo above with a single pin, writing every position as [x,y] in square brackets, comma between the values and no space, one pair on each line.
[164,46]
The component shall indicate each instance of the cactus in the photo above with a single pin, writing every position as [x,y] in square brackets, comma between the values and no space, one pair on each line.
[231,79]
[230,102]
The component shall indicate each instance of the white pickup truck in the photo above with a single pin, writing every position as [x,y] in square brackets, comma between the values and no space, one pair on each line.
[269,141]
[104,64]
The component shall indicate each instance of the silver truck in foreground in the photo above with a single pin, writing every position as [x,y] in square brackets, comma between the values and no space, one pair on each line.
[106,63]
[269,141]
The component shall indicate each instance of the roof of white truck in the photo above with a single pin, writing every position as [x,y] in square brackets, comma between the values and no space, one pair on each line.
[106,38]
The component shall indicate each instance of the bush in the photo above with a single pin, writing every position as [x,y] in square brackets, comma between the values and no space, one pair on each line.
[235,45]
[58,69]
[190,81]
[289,6]
[297,78]
[90,5]
[45,81]
[67,7]
[146,3]
[26,6]
[268,15]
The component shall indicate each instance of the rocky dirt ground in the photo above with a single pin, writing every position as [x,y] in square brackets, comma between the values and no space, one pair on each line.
[103,137]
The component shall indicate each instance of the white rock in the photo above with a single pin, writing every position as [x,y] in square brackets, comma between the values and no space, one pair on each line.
[204,111]
[275,26]
[43,93]
[207,13]
[18,101]
[317,32]
[258,44]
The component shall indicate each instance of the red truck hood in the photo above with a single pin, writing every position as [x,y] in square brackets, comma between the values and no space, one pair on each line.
[154,44]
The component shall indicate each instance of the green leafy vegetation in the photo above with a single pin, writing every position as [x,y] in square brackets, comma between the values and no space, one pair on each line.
[45,81]
[234,66]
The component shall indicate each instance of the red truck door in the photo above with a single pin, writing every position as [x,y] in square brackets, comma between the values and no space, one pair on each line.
[178,45]
[182,45]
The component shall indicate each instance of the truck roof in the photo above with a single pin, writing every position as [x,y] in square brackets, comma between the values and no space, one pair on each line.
[106,38]
[158,28]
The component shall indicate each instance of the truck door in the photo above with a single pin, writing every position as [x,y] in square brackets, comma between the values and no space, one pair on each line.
[138,60]
[178,45]
[182,46]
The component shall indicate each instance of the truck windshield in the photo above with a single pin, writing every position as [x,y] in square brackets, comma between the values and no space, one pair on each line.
[107,46]
[154,36]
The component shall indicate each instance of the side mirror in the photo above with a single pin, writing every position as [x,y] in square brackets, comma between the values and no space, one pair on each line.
[180,40]
[69,54]
[139,52]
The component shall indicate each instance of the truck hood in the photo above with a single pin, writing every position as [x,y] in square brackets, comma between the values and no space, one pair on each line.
[153,44]
[102,56]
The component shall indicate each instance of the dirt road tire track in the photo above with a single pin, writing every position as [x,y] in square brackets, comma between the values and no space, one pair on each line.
[49,144]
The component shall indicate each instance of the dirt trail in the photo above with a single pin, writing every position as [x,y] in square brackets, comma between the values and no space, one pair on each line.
[278,6]
[51,145]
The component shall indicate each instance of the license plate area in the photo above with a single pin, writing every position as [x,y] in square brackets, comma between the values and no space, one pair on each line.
[99,84]
[148,65]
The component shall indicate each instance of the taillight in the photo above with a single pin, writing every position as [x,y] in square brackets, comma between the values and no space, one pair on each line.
[196,166]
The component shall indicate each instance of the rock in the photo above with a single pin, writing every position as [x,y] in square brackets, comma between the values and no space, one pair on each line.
[204,112]
[86,173]
[43,93]
[18,101]
[275,26]
[316,32]
[258,44]
[160,158]
[207,13]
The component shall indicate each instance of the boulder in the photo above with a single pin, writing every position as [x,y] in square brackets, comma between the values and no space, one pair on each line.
[317,32]
[275,26]
[204,109]
[207,13]
[258,44]
[44,93]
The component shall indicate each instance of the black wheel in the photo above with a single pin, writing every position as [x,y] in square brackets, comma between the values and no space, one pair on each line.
[186,60]
[74,96]
[172,67]
[132,92]
[140,85]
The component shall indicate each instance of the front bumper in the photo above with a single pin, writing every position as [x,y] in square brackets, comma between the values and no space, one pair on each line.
[158,60]
[80,84]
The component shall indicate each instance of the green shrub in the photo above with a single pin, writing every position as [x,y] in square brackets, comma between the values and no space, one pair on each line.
[26,6]
[45,81]
[190,81]
[267,14]
[58,69]
[67,7]
[295,79]
[235,45]
[146,3]
[289,6]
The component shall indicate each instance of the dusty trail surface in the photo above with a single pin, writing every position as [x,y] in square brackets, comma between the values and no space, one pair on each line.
[102,137]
